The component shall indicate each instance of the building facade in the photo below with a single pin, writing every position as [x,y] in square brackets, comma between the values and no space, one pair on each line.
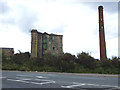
[7,52]
[43,43]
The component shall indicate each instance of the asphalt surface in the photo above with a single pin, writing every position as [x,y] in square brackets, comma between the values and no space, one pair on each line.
[18,79]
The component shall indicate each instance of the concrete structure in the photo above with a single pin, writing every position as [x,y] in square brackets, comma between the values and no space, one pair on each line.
[8,52]
[42,43]
[101,34]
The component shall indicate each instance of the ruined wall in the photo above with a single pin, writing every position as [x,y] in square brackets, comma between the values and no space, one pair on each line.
[34,43]
[52,44]
[43,43]
[8,52]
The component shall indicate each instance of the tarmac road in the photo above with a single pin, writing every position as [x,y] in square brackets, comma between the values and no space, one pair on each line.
[18,79]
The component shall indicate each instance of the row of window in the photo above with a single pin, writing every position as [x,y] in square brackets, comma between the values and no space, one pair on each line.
[44,41]
[45,47]
[45,38]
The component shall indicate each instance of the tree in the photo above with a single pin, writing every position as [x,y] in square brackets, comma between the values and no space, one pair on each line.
[50,59]
[115,62]
[20,58]
[106,63]
[66,62]
[86,60]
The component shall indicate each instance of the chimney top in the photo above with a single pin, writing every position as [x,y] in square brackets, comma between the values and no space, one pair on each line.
[100,7]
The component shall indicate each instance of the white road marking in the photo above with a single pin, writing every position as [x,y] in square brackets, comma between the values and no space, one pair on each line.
[18,80]
[2,77]
[48,82]
[24,75]
[31,76]
[40,77]
[81,84]
[42,80]
[23,78]
[98,85]
[21,75]
[71,86]
[32,82]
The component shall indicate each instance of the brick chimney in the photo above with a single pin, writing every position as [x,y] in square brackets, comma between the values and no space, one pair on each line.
[101,34]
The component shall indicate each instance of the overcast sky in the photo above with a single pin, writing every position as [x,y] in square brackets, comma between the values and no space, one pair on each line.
[76,21]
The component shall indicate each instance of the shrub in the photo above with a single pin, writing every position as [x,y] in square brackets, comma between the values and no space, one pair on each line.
[86,60]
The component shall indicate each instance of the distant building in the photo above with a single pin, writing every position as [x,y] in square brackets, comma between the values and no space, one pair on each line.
[42,43]
[7,52]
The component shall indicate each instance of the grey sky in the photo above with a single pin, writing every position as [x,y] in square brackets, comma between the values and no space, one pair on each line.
[76,21]
[4,7]
[111,7]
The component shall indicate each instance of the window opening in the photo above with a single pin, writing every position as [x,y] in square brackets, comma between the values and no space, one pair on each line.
[49,42]
[53,48]
[53,38]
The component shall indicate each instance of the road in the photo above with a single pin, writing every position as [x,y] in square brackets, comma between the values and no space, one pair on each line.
[18,79]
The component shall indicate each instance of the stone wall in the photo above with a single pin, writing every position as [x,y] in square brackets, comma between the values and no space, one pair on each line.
[43,43]
[7,52]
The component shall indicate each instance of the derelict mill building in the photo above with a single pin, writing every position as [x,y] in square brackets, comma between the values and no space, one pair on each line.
[43,43]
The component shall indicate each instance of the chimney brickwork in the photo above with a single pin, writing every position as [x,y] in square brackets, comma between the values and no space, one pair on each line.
[101,34]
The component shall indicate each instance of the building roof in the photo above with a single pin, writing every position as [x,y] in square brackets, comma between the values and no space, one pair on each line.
[6,48]
[45,33]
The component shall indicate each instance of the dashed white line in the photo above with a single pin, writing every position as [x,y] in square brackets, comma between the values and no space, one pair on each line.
[31,76]
[81,84]
[71,86]
[23,78]
[22,75]
[40,77]
[32,82]
[43,82]
[18,80]
[2,77]
[98,85]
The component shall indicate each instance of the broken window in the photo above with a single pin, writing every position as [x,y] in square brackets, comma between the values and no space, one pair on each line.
[49,48]
[53,38]
[49,42]
[53,48]
[44,40]
[53,53]
[45,47]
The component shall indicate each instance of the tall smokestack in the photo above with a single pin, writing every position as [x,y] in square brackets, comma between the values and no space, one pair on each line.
[101,34]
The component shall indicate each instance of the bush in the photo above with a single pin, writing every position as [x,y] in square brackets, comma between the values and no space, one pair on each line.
[86,60]
[64,62]
[106,63]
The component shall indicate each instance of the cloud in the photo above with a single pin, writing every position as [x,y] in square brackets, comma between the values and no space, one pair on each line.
[111,25]
[112,47]
[4,8]
[20,16]
[15,39]
[79,35]
[26,19]
[110,7]
[60,29]
[76,21]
